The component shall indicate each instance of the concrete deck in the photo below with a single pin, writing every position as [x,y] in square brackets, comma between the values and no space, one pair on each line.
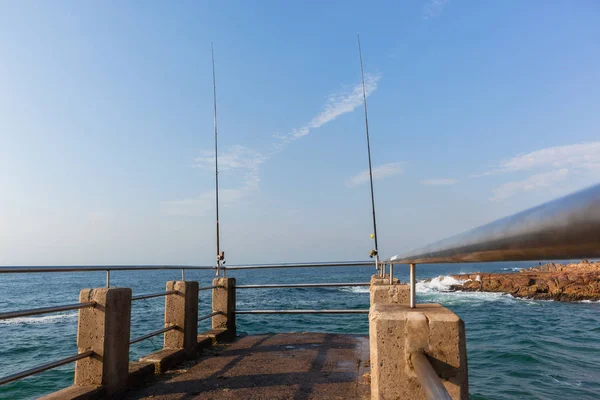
[271,366]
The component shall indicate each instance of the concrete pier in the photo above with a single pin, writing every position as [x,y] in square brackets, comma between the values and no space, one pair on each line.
[271,366]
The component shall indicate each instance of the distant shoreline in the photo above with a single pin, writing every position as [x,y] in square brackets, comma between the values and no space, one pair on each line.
[552,281]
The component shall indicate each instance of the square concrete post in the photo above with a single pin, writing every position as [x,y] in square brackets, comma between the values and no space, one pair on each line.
[181,311]
[396,331]
[381,292]
[223,301]
[104,329]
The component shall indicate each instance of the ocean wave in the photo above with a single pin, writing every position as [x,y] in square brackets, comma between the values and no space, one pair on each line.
[355,289]
[438,284]
[47,319]
[515,269]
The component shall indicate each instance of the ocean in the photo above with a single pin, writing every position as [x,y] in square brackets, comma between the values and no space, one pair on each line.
[517,348]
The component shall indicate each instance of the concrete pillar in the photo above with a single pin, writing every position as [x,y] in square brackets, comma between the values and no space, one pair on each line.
[104,329]
[381,292]
[223,301]
[396,331]
[181,310]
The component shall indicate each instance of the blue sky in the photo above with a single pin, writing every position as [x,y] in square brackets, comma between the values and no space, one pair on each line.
[477,110]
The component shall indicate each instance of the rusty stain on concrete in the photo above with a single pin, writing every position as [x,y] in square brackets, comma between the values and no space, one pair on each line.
[271,366]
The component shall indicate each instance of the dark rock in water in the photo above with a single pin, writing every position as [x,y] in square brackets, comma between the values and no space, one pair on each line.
[552,281]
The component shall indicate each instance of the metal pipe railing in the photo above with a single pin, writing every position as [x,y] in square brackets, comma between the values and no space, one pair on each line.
[302,311]
[428,378]
[97,268]
[300,285]
[45,367]
[566,228]
[151,334]
[207,316]
[151,295]
[45,310]
[303,265]
[208,287]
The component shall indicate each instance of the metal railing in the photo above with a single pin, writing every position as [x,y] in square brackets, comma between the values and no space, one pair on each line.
[151,295]
[428,378]
[45,367]
[207,316]
[566,228]
[302,311]
[302,265]
[301,285]
[151,334]
[45,310]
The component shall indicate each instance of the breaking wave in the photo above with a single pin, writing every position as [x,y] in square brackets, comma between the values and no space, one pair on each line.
[439,284]
[47,319]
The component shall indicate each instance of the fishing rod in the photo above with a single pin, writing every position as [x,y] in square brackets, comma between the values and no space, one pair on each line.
[375,252]
[220,254]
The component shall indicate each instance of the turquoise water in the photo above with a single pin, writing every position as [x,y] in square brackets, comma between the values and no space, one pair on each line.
[517,349]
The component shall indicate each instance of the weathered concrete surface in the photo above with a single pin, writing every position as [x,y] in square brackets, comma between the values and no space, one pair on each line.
[76,393]
[165,359]
[272,366]
[381,292]
[181,310]
[104,329]
[223,300]
[396,330]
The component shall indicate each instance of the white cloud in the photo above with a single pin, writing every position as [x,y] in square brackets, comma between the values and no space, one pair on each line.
[548,166]
[577,156]
[247,162]
[379,173]
[542,180]
[337,104]
[434,8]
[439,182]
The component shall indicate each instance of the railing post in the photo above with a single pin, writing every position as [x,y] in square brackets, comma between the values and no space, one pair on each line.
[181,310]
[223,301]
[104,329]
[388,290]
[397,332]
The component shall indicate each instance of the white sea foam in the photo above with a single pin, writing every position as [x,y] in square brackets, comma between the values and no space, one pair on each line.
[515,269]
[47,319]
[439,284]
[355,289]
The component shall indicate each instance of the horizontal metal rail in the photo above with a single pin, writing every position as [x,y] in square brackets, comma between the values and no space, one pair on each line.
[207,316]
[300,285]
[428,378]
[151,334]
[46,310]
[151,295]
[566,228]
[97,268]
[304,265]
[44,367]
[302,312]
[208,287]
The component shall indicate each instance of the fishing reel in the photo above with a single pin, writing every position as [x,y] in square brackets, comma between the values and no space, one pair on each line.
[221,257]
[373,253]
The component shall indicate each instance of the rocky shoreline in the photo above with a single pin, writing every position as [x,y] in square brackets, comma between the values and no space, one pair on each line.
[560,282]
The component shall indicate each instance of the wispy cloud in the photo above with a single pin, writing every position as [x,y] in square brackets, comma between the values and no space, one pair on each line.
[542,180]
[547,167]
[381,172]
[578,156]
[237,160]
[247,162]
[337,104]
[434,8]
[439,182]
